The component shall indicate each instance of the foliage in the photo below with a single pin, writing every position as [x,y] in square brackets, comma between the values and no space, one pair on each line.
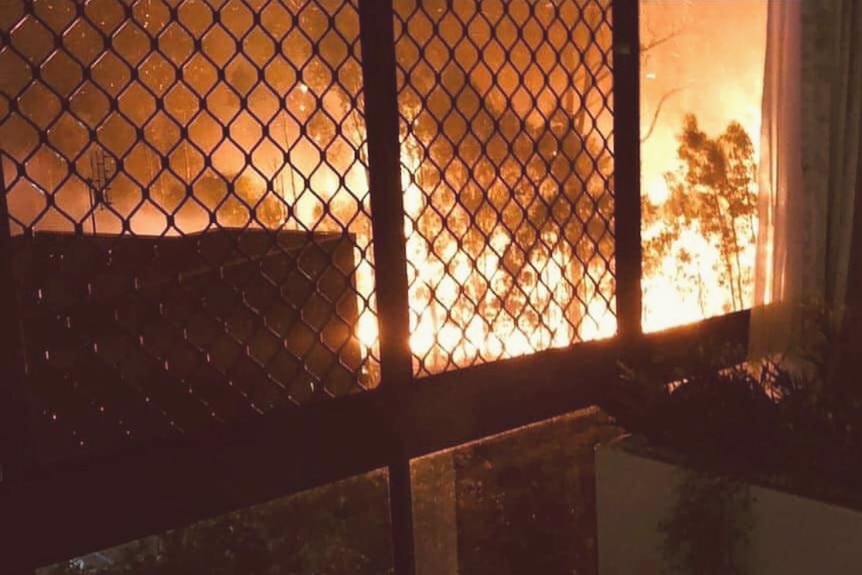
[795,419]
[692,415]
[713,193]
[337,529]
[792,422]
[706,531]
[526,500]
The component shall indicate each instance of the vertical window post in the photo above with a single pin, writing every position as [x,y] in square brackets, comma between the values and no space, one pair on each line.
[390,256]
[627,206]
[387,203]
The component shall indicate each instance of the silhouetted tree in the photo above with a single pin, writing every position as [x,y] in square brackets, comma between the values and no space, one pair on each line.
[713,192]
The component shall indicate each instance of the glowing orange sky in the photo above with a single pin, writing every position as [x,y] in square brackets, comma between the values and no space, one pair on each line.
[717,57]
[713,63]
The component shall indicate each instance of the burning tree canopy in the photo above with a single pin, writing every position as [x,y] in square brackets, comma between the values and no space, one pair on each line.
[693,266]
[713,196]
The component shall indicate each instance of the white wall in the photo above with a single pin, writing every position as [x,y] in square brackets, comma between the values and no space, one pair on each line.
[790,535]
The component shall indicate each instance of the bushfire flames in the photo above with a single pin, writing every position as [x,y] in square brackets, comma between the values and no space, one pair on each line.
[693,66]
[467,305]
[463,306]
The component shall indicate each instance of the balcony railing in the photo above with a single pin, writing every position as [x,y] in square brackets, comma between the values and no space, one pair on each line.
[218,216]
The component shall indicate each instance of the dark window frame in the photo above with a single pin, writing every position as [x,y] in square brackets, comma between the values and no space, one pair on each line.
[169,484]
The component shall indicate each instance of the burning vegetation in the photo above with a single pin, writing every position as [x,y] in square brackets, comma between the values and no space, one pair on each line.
[217,119]
[224,114]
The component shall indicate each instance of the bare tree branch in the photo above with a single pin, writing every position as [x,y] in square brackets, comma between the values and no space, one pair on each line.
[599,76]
[667,95]
[654,42]
[645,48]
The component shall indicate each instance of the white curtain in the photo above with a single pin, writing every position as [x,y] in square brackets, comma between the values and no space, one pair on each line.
[810,165]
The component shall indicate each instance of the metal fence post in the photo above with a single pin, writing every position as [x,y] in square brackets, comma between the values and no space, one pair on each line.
[387,217]
[627,206]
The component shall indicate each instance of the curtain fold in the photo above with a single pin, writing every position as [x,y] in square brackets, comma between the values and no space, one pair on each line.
[776,283]
[808,239]
[846,121]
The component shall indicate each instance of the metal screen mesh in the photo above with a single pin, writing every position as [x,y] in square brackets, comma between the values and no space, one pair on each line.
[507,165]
[188,196]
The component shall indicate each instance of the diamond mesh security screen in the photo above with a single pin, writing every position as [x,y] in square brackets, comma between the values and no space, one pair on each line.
[188,195]
[187,188]
[507,168]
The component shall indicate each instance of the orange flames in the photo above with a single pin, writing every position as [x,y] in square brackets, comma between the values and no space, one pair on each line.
[458,316]
[463,310]
[718,77]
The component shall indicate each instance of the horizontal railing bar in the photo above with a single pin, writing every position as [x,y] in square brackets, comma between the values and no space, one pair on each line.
[457,407]
[282,453]
[83,509]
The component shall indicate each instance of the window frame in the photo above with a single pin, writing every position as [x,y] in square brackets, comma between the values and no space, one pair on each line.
[131,495]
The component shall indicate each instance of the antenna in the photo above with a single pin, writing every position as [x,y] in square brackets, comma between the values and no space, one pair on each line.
[103,168]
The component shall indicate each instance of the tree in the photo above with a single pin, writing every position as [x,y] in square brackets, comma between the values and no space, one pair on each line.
[713,193]
[338,529]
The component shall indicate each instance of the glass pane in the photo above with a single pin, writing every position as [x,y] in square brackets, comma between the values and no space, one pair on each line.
[507,158]
[190,209]
[702,66]
[339,529]
[521,502]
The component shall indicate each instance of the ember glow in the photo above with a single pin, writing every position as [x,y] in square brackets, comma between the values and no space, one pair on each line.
[506,151]
[707,60]
[458,314]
